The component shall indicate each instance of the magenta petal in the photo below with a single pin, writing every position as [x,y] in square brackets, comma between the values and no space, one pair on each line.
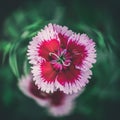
[46,47]
[47,72]
[68,76]
[36,92]
[77,51]
[63,40]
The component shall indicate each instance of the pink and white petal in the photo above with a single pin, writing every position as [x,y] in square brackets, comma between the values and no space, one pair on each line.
[33,54]
[32,51]
[77,86]
[62,110]
[63,34]
[63,30]
[42,103]
[90,57]
[44,35]
[41,82]
[90,48]
[24,83]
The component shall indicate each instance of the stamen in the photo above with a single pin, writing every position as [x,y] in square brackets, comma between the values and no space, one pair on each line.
[63,52]
[54,55]
[65,64]
[60,59]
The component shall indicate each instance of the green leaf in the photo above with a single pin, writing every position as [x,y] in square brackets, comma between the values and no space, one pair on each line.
[100,37]
[13,64]
[26,67]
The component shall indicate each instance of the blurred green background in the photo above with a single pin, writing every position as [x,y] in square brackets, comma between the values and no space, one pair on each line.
[20,21]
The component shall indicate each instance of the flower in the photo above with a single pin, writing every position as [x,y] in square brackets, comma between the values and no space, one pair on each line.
[61,59]
[58,103]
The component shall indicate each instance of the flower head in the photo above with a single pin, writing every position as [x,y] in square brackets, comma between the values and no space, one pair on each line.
[61,59]
[58,103]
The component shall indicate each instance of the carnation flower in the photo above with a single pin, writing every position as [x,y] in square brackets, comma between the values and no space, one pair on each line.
[58,103]
[61,59]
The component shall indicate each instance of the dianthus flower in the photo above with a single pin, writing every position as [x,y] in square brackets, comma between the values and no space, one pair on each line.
[57,103]
[61,59]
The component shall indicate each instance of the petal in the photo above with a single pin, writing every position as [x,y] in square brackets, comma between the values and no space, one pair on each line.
[63,40]
[78,84]
[77,51]
[47,72]
[61,104]
[46,47]
[68,76]
[63,110]
[57,98]
[36,92]
[63,34]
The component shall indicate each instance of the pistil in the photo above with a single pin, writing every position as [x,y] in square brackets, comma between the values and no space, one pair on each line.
[60,59]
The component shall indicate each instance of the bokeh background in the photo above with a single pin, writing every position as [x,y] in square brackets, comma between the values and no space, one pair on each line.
[19,22]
